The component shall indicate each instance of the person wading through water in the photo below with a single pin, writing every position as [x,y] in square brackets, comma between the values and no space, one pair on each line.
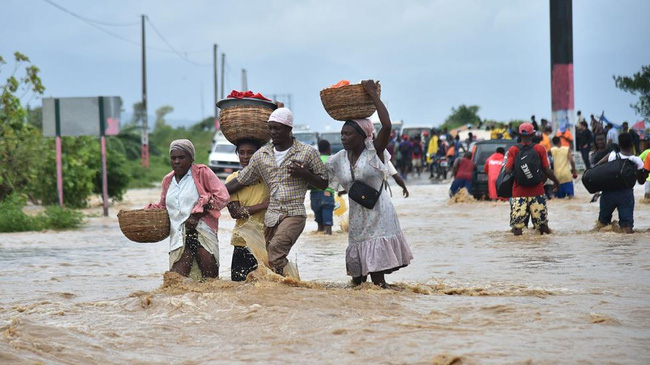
[288,167]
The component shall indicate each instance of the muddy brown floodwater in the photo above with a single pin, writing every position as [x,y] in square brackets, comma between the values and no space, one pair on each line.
[473,294]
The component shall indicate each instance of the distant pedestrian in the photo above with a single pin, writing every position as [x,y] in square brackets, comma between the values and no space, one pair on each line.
[564,168]
[583,140]
[322,201]
[462,171]
[492,168]
[566,138]
[416,154]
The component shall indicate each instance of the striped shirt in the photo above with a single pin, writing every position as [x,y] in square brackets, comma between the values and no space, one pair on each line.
[287,192]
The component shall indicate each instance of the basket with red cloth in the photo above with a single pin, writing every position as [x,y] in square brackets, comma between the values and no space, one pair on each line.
[244,115]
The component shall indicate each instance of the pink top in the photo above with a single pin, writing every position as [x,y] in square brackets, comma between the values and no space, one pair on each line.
[211,190]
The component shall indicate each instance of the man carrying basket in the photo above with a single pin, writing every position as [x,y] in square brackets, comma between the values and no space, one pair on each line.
[288,167]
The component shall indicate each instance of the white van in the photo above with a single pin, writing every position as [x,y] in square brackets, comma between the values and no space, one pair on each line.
[223,160]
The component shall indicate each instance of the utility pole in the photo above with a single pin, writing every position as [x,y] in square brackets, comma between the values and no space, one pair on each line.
[244,80]
[144,150]
[561,16]
[216,87]
[223,67]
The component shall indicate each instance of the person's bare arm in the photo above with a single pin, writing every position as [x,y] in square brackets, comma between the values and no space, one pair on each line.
[400,182]
[549,174]
[383,136]
[234,186]
[574,172]
[238,212]
[298,169]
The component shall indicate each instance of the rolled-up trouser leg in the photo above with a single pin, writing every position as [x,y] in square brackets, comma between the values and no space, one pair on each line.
[281,238]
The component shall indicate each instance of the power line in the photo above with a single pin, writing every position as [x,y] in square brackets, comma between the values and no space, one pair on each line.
[179,54]
[88,19]
[96,24]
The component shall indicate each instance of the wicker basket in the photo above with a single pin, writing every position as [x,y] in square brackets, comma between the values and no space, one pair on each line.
[142,225]
[348,102]
[245,121]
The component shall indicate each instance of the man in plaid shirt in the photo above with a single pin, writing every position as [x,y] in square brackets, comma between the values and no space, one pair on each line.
[288,167]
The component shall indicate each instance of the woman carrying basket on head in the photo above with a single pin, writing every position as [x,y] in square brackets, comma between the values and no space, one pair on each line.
[193,197]
[376,244]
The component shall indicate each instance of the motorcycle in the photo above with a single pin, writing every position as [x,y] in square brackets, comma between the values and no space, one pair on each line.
[439,167]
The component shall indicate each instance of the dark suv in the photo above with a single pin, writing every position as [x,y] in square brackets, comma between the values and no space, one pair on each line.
[481,152]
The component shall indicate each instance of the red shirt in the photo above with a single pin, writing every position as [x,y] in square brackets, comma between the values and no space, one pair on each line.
[465,169]
[527,191]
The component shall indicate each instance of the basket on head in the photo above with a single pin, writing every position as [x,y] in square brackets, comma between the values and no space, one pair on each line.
[245,118]
[348,102]
[144,225]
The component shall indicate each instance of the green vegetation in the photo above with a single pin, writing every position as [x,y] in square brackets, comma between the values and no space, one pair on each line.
[461,116]
[13,219]
[637,83]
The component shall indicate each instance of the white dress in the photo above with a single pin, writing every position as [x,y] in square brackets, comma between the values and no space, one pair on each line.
[375,242]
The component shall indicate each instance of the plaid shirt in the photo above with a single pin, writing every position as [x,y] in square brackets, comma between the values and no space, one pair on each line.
[287,192]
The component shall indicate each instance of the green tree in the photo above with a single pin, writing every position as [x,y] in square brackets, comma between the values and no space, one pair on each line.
[639,83]
[462,115]
[21,150]
[206,124]
[161,113]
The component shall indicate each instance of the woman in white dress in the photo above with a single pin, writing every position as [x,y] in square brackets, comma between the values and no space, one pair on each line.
[193,196]
[376,244]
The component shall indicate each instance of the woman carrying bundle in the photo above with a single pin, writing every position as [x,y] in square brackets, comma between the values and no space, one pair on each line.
[376,244]
[248,204]
[193,197]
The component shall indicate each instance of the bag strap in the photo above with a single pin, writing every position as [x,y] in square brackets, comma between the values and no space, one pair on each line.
[353,179]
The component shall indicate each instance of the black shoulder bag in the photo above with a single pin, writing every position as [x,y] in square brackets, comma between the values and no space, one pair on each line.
[363,193]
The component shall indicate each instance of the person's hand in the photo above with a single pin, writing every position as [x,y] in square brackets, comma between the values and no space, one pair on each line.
[405,192]
[342,192]
[370,87]
[192,222]
[575,175]
[556,187]
[297,169]
[279,104]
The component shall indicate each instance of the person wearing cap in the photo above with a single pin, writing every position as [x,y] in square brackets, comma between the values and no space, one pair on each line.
[529,201]
[193,197]
[288,167]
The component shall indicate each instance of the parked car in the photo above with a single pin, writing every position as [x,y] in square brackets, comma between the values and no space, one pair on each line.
[334,138]
[223,160]
[481,151]
[306,136]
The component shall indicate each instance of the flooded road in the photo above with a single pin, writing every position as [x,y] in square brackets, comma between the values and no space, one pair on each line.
[473,293]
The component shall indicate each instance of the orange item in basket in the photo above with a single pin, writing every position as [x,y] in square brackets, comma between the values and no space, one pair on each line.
[340,84]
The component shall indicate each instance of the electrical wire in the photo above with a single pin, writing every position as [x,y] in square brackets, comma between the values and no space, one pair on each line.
[179,54]
[96,24]
[88,19]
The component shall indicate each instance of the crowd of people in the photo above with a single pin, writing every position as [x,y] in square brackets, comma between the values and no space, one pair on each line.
[271,188]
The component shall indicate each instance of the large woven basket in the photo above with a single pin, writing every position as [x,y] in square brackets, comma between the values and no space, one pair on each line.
[348,102]
[245,121]
[142,225]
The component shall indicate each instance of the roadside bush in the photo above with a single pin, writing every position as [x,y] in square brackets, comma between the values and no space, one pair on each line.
[61,218]
[13,219]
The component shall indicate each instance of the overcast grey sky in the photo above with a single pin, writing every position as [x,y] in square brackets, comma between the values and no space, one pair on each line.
[429,55]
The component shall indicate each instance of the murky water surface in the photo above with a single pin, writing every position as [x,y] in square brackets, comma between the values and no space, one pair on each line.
[473,293]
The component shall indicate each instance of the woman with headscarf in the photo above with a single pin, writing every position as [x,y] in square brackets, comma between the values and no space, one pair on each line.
[193,196]
[376,244]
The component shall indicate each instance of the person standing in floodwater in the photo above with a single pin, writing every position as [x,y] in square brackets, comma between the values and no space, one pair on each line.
[492,168]
[322,201]
[288,167]
[246,205]
[193,196]
[376,244]
[529,201]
